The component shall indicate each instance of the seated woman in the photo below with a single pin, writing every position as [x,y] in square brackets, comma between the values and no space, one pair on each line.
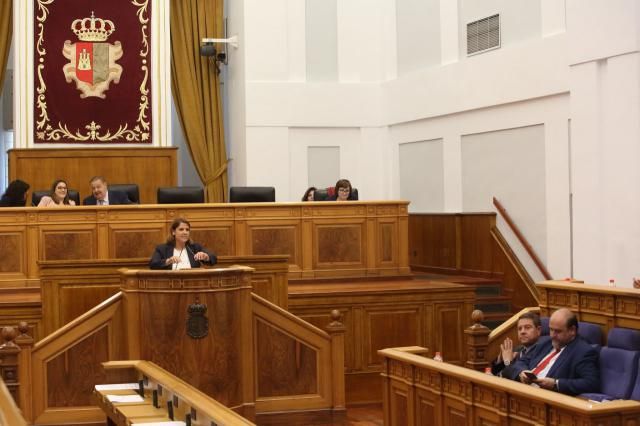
[59,196]
[179,252]
[308,194]
[15,195]
[343,191]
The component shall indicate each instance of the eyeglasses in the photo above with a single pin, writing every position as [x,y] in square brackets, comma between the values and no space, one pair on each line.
[62,188]
[344,190]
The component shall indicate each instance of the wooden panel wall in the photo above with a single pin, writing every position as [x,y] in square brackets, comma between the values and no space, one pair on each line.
[387,314]
[468,244]
[150,168]
[322,240]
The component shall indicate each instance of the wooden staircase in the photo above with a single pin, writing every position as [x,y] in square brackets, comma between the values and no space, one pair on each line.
[490,299]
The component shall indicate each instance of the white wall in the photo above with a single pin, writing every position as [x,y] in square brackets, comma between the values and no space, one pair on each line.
[403,76]
[421,168]
[604,45]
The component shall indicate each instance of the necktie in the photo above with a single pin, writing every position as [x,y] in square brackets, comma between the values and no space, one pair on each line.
[545,362]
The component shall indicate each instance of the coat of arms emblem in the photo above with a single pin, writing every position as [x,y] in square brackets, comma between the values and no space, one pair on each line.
[197,322]
[92,61]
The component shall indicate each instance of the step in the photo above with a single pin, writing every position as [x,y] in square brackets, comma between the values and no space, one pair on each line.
[494,307]
[488,291]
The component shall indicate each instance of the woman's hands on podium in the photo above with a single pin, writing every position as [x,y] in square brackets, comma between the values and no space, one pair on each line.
[201,256]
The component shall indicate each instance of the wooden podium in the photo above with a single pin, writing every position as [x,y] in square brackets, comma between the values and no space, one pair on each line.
[196,324]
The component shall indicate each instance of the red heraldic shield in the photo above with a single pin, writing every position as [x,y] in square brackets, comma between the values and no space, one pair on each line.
[84,59]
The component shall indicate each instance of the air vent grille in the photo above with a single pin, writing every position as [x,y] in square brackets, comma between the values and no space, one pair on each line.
[483,34]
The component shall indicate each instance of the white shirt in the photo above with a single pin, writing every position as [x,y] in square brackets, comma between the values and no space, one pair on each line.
[105,200]
[546,369]
[184,259]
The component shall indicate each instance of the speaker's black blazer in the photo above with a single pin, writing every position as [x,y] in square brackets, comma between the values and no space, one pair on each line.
[165,251]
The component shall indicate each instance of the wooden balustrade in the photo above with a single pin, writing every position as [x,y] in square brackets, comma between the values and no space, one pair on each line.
[258,358]
[284,382]
[175,399]
[421,391]
[9,412]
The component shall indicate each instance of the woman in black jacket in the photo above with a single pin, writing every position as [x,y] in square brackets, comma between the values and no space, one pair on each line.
[179,252]
[15,195]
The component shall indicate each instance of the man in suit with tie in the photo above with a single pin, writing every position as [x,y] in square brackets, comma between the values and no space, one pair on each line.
[566,363]
[101,196]
[529,330]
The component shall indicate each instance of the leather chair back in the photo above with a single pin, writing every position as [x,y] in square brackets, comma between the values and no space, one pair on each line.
[180,195]
[131,189]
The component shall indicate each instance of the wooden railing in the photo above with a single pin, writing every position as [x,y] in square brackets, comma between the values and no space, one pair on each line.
[60,371]
[530,251]
[185,401]
[10,414]
[297,367]
[421,391]
[302,346]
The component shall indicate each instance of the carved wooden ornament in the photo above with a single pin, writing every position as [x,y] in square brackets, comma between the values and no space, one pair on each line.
[197,322]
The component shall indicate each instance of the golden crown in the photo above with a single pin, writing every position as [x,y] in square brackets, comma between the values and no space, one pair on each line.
[92,29]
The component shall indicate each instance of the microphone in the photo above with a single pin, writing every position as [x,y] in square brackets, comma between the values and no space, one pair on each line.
[188,246]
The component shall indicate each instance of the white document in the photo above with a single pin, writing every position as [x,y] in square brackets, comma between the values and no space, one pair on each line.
[125,398]
[118,386]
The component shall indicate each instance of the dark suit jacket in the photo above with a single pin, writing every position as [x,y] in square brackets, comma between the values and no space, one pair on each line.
[497,368]
[576,368]
[165,251]
[115,198]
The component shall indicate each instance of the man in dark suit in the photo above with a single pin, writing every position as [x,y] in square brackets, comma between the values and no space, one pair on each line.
[529,330]
[566,363]
[101,196]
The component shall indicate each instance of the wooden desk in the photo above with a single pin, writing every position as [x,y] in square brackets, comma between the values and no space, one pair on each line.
[421,391]
[322,239]
[184,399]
[607,306]
[382,314]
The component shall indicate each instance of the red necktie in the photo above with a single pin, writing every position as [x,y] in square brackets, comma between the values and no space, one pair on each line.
[545,362]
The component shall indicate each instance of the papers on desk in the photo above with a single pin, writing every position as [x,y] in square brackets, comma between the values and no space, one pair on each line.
[117,386]
[125,398]
[160,424]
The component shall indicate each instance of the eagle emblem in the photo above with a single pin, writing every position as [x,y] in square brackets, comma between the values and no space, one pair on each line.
[92,61]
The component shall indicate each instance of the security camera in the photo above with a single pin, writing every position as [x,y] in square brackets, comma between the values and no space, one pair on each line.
[208,50]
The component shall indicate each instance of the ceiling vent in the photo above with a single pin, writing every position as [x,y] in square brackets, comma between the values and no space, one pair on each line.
[483,35]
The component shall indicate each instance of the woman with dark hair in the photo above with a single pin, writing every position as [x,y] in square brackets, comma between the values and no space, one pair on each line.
[343,191]
[309,193]
[59,196]
[179,252]
[15,195]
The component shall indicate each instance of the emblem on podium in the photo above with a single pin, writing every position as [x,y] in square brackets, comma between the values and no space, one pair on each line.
[197,323]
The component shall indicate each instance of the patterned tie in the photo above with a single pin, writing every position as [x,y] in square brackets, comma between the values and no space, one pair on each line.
[545,362]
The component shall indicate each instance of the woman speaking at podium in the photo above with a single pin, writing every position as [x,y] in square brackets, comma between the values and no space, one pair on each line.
[179,252]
